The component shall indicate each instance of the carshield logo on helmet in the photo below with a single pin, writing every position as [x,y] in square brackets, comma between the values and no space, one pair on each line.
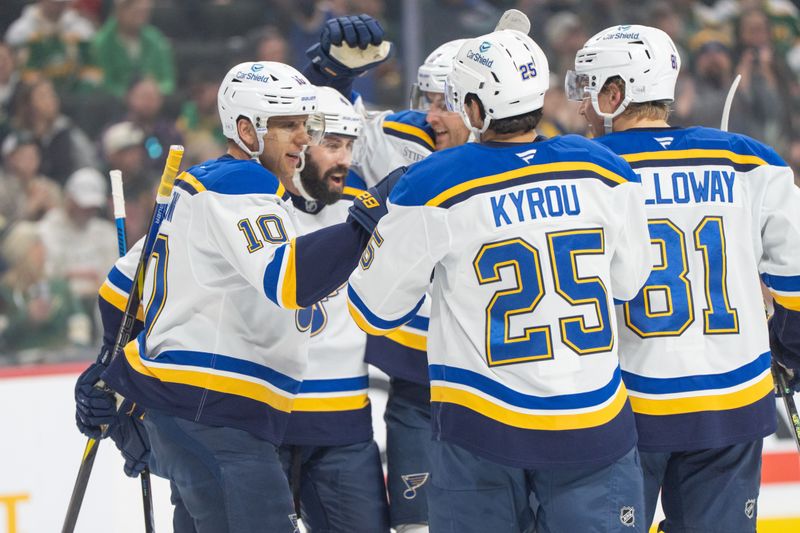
[256,67]
[485,45]
[478,58]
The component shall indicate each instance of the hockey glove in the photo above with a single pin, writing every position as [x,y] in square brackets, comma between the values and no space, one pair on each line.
[784,343]
[349,46]
[370,206]
[94,407]
[130,436]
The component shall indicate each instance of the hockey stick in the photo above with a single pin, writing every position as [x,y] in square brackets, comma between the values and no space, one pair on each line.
[726,110]
[126,327]
[514,19]
[118,199]
[783,390]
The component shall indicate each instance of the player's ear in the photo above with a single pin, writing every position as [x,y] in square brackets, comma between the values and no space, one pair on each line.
[473,110]
[247,131]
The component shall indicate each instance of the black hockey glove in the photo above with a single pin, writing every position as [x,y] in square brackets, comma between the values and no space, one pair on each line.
[370,206]
[349,46]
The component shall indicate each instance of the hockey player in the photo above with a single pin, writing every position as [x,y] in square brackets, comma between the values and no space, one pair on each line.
[391,140]
[529,240]
[693,344]
[328,452]
[221,355]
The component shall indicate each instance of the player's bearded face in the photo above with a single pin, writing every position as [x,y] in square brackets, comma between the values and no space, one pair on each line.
[326,168]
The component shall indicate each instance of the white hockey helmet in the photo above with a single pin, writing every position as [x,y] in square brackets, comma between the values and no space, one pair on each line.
[505,69]
[341,117]
[432,73]
[263,89]
[645,58]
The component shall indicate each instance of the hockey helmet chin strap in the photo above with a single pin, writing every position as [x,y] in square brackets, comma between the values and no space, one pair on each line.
[296,178]
[608,118]
[260,132]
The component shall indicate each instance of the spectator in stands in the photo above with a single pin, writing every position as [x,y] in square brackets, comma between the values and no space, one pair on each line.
[9,81]
[53,41]
[36,311]
[81,247]
[127,47]
[24,193]
[565,36]
[270,45]
[199,119]
[123,149]
[145,103]
[766,80]
[701,97]
[64,146]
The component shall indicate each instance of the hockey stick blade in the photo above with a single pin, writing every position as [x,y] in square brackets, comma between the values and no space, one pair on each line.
[514,19]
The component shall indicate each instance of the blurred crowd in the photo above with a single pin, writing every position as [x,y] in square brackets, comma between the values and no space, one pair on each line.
[92,85]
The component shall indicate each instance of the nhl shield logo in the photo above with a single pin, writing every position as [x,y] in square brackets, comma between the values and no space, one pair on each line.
[750,508]
[627,517]
[413,482]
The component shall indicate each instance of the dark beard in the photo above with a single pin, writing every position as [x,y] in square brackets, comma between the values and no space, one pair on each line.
[317,185]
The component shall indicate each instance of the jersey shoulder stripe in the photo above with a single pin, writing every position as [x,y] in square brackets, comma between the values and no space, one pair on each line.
[410,126]
[690,147]
[461,171]
[230,176]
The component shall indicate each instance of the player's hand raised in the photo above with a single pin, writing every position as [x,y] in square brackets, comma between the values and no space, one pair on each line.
[349,46]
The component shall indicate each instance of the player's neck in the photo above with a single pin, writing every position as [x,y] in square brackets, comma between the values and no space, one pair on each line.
[622,123]
[492,136]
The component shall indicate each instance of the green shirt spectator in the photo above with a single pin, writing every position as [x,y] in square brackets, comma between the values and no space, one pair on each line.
[127,47]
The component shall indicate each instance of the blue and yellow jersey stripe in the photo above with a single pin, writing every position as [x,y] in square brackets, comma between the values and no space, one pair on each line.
[115,291]
[690,394]
[693,158]
[189,183]
[412,335]
[280,277]
[215,372]
[410,126]
[784,289]
[331,395]
[523,176]
[451,176]
[369,321]
[497,402]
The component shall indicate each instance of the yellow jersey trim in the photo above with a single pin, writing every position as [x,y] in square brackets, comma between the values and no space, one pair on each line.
[554,422]
[338,403]
[408,339]
[695,404]
[789,302]
[204,380]
[289,285]
[695,153]
[410,130]
[523,172]
[118,300]
[191,180]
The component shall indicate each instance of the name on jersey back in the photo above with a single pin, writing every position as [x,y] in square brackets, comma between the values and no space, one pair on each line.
[689,187]
[534,203]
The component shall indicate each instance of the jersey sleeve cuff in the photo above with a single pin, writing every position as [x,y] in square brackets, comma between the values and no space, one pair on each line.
[280,277]
[372,323]
[785,290]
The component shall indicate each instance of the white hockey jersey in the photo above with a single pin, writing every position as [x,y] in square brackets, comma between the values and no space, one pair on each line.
[213,348]
[529,244]
[332,407]
[722,209]
[390,140]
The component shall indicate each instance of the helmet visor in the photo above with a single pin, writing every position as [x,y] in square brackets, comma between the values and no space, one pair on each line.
[315,127]
[426,101]
[575,85]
